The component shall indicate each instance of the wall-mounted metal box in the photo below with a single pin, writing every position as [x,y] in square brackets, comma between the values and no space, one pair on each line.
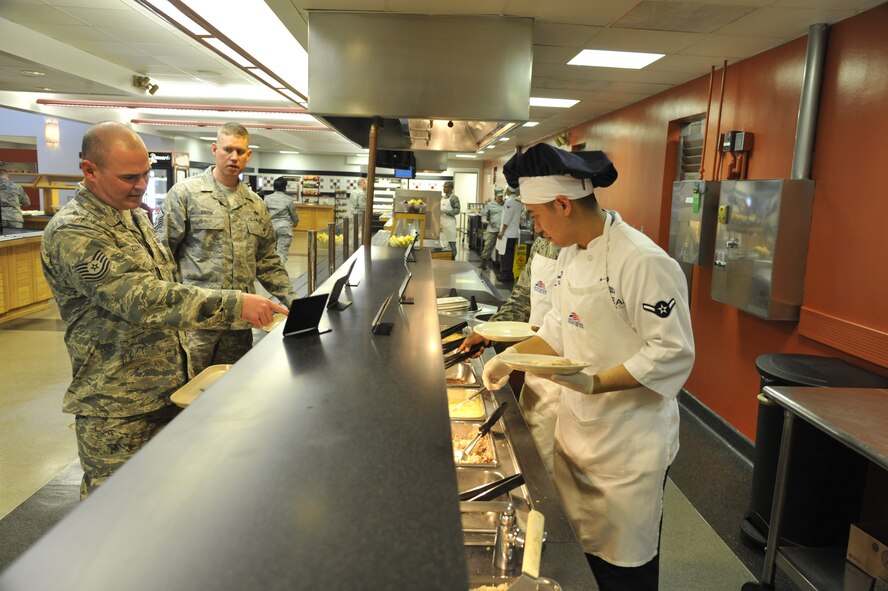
[692,227]
[761,246]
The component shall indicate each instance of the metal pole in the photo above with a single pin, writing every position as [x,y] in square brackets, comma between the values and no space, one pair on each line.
[706,125]
[356,219]
[371,181]
[345,238]
[312,261]
[331,248]
[779,502]
[810,102]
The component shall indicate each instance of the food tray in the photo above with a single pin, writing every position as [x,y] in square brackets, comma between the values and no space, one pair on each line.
[474,410]
[496,583]
[188,393]
[466,431]
[461,374]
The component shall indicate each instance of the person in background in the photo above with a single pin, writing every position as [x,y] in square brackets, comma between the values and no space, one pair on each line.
[284,217]
[621,306]
[510,231]
[117,292]
[221,237]
[530,300]
[357,200]
[12,199]
[449,211]
[491,216]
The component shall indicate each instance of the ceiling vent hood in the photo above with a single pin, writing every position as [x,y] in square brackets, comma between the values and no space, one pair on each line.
[440,83]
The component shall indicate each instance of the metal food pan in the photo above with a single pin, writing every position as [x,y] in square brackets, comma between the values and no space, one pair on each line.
[466,431]
[461,374]
[474,410]
[495,582]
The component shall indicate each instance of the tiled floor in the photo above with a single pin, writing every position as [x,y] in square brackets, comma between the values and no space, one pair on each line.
[39,474]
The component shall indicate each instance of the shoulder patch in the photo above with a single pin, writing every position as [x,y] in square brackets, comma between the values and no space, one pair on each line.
[94,269]
[661,309]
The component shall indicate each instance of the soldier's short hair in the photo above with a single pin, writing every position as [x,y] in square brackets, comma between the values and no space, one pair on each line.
[97,138]
[280,183]
[233,129]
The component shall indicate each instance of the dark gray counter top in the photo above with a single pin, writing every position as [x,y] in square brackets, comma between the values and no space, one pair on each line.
[318,463]
[17,233]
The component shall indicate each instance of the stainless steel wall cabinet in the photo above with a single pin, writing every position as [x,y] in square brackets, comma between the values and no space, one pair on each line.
[761,246]
[692,229]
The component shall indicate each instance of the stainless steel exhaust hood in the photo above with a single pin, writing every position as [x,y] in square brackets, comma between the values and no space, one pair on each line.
[441,83]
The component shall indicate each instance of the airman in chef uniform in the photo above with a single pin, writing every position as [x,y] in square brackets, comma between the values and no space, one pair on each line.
[449,211]
[621,305]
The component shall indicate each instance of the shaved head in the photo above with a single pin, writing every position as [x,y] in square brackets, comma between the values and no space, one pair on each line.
[103,138]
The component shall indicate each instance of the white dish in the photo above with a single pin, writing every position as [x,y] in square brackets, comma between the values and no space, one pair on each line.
[504,331]
[542,364]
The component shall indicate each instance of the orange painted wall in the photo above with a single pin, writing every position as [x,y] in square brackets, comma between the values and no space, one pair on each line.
[846,267]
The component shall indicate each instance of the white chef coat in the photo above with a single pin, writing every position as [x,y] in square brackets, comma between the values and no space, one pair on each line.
[539,397]
[512,220]
[448,219]
[621,300]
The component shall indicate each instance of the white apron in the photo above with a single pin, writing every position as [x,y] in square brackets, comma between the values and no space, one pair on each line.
[612,449]
[448,223]
[539,396]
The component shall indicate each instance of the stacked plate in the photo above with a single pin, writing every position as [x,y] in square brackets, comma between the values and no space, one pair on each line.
[452,304]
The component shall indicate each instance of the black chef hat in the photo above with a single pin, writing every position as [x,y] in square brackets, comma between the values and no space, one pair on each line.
[544,171]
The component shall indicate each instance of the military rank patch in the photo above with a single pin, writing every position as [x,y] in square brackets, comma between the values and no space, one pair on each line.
[94,269]
[661,309]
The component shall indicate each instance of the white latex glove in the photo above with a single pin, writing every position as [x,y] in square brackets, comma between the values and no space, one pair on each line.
[496,373]
[584,383]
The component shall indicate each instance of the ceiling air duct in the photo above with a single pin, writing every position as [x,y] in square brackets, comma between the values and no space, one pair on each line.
[440,83]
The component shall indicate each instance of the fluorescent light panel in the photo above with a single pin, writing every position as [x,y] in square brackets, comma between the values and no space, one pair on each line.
[531,124]
[536,101]
[614,59]
[465,155]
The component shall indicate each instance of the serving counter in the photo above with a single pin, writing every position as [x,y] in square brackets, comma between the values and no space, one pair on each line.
[317,462]
[23,289]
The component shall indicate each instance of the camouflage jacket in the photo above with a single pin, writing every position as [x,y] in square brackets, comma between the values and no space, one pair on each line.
[517,306]
[221,240]
[12,198]
[116,290]
[282,211]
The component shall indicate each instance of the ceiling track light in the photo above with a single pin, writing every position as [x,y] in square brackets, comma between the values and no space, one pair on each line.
[246,62]
[171,106]
[145,83]
[197,123]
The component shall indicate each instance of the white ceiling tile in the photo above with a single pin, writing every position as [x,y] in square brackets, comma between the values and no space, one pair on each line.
[26,14]
[639,40]
[546,54]
[495,7]
[561,34]
[731,46]
[99,17]
[580,12]
[690,17]
[858,5]
[687,63]
[788,23]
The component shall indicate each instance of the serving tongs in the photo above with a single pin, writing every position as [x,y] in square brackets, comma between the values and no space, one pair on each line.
[491,490]
[453,329]
[482,431]
[460,357]
[448,347]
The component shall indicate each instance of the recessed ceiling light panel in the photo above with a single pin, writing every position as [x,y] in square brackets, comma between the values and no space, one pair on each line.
[614,59]
[552,102]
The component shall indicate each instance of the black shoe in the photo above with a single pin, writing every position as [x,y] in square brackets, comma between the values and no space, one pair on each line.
[483,267]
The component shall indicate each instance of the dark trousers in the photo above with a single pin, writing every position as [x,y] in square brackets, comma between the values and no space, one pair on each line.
[505,270]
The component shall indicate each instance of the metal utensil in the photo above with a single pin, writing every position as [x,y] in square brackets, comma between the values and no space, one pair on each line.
[454,329]
[483,430]
[491,490]
[459,357]
[533,548]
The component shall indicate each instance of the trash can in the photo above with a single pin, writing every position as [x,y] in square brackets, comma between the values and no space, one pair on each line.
[826,479]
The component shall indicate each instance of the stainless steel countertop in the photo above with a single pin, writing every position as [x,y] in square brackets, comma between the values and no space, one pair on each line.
[16,233]
[858,417]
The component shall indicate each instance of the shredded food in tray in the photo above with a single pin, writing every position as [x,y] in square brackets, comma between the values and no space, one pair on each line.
[501,587]
[482,453]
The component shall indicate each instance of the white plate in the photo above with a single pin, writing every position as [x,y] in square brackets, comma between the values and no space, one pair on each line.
[542,364]
[505,331]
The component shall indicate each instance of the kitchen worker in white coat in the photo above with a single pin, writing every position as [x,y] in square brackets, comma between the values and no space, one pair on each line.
[510,231]
[530,300]
[622,307]
[449,211]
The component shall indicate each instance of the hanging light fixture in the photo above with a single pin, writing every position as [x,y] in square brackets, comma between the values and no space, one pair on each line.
[51,133]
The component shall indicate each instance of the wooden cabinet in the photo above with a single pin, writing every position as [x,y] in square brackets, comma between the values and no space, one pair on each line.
[23,289]
[314,217]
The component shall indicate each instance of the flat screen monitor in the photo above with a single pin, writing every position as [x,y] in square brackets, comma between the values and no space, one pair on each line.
[405,173]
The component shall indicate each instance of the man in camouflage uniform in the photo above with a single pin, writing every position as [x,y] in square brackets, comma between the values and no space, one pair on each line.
[12,199]
[491,215]
[115,287]
[221,237]
[283,214]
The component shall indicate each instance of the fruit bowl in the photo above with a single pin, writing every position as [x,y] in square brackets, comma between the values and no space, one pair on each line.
[414,206]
